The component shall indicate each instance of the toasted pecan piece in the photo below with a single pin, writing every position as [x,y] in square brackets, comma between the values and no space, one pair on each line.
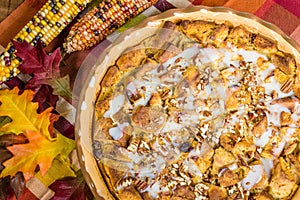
[280,76]
[296,87]
[287,86]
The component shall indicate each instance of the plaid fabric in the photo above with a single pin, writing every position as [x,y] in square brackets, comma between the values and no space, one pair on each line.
[7,6]
[283,13]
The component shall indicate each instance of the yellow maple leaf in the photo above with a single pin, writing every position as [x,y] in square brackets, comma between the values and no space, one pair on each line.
[23,113]
[39,151]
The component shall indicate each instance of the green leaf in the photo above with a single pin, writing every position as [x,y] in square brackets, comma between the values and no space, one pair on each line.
[61,86]
[61,168]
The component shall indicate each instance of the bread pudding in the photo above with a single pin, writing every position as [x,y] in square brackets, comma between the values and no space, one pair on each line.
[200,110]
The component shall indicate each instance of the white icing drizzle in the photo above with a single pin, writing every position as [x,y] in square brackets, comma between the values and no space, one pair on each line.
[268,166]
[264,139]
[250,56]
[254,176]
[115,105]
[117,132]
[274,115]
[278,148]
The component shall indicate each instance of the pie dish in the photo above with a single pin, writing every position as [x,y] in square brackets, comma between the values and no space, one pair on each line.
[199,103]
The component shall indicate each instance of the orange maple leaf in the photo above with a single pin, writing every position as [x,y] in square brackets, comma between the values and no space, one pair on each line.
[39,151]
[23,113]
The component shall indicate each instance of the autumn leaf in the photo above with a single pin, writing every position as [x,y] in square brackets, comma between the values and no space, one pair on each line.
[23,113]
[71,188]
[61,86]
[38,152]
[60,168]
[44,68]
[45,97]
[36,61]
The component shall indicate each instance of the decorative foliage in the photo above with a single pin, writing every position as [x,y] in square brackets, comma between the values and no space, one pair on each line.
[23,114]
[39,151]
[43,67]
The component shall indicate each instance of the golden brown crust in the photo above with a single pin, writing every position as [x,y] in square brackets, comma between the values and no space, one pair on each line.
[131,59]
[263,44]
[198,30]
[240,37]
[111,77]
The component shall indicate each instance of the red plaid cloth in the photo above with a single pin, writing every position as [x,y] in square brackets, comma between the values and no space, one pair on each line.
[283,13]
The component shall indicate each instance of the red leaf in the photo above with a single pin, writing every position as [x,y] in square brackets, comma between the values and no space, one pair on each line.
[44,96]
[33,57]
[71,188]
[43,67]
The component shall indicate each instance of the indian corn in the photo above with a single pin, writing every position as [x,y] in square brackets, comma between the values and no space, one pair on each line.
[49,21]
[102,20]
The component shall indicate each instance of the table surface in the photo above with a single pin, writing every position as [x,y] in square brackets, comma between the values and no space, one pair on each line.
[283,13]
